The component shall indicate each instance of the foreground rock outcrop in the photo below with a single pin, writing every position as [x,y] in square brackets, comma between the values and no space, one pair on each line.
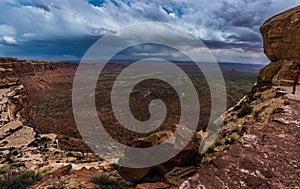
[282,46]
[259,144]
[170,170]
[264,155]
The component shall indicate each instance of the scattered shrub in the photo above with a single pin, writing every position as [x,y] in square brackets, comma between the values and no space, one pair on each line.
[256,114]
[106,182]
[20,180]
[211,149]
[70,154]
[226,147]
[5,168]
[230,140]
[274,111]
[8,159]
[286,102]
[237,129]
[246,110]
[218,143]
[114,166]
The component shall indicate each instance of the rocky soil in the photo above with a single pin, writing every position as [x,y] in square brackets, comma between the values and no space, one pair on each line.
[259,145]
[261,152]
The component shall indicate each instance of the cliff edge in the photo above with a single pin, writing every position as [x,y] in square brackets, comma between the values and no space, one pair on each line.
[282,46]
[259,145]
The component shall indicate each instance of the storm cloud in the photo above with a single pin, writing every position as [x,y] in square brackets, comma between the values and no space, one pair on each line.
[65,29]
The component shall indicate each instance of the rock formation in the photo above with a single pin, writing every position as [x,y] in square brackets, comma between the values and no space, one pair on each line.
[282,46]
[260,148]
[15,110]
[23,149]
[36,86]
[189,156]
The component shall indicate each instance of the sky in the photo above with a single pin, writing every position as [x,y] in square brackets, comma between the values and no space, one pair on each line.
[63,30]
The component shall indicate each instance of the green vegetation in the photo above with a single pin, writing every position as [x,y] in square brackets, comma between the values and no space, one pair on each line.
[218,143]
[226,147]
[230,140]
[106,182]
[286,102]
[20,179]
[246,110]
[114,166]
[211,149]
[4,169]
[274,111]
[256,114]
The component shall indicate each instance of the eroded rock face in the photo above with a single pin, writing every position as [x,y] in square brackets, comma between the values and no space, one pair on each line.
[58,158]
[188,156]
[14,103]
[265,157]
[44,88]
[282,46]
[266,153]
[281,35]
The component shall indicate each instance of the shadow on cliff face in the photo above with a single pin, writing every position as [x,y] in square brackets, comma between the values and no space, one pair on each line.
[49,89]
[266,152]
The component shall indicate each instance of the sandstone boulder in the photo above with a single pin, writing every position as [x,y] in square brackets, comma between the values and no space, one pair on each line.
[281,35]
[10,127]
[20,138]
[188,156]
[14,105]
[53,178]
[282,46]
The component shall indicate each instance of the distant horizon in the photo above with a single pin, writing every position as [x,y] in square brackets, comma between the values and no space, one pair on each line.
[63,30]
[134,60]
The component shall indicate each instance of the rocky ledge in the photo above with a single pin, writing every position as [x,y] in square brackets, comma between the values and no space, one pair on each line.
[259,145]
[29,158]
[282,46]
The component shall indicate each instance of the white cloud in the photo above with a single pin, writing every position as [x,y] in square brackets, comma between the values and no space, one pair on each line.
[225,23]
[7,30]
[9,40]
[7,34]
[239,56]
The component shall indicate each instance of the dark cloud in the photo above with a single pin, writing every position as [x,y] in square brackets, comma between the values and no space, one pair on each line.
[67,28]
[244,37]
[98,3]
[41,4]
[59,49]
[249,46]
[243,13]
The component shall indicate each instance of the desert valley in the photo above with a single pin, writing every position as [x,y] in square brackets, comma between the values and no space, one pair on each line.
[257,146]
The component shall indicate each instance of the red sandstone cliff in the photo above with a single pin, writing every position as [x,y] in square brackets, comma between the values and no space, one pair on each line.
[261,149]
[47,91]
